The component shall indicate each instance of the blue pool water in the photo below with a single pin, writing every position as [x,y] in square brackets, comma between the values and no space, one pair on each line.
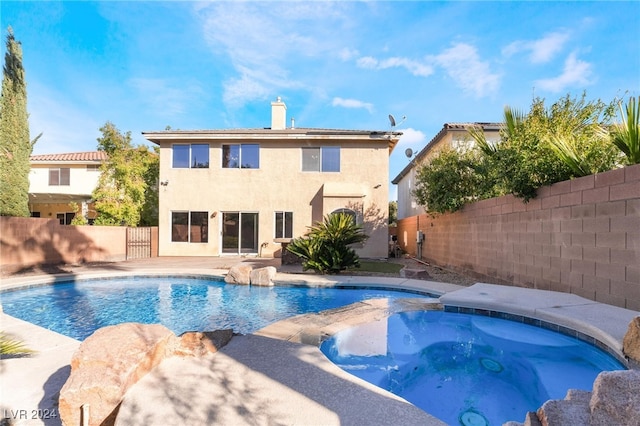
[77,309]
[468,369]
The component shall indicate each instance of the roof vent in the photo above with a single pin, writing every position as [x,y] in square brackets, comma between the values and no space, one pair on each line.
[278,115]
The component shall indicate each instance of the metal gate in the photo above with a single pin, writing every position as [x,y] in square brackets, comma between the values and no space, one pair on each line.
[138,243]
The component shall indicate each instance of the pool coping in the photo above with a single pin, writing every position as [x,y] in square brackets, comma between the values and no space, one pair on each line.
[597,323]
[605,324]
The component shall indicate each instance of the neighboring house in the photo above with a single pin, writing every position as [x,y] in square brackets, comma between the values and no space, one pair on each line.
[247,191]
[452,135]
[56,180]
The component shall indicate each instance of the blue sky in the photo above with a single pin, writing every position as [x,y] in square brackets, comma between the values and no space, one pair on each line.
[145,65]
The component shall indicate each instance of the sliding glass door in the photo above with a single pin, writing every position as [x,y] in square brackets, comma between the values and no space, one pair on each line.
[239,233]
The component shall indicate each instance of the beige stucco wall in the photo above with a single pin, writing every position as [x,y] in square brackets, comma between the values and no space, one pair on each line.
[278,185]
[50,200]
[81,180]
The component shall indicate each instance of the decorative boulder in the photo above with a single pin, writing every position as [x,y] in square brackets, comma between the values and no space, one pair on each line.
[263,276]
[107,364]
[239,274]
[616,398]
[199,344]
[631,341]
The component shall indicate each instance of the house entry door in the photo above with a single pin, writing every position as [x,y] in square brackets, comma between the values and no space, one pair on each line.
[239,233]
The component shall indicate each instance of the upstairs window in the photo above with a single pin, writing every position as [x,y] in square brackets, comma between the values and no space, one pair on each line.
[241,156]
[194,156]
[321,159]
[284,225]
[59,177]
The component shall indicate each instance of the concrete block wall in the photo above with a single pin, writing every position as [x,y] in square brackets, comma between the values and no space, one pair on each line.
[579,236]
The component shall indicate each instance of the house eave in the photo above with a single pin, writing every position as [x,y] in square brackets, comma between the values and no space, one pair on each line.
[391,138]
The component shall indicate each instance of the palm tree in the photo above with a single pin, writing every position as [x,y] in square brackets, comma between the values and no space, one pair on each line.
[626,135]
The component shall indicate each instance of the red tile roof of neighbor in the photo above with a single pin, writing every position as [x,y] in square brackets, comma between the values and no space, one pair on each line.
[72,156]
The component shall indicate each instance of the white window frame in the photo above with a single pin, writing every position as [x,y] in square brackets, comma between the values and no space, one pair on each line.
[320,150]
[284,223]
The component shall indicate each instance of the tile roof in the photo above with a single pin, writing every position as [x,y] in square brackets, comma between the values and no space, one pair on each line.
[71,156]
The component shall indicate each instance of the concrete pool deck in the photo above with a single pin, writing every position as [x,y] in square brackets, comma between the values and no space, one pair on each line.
[268,377]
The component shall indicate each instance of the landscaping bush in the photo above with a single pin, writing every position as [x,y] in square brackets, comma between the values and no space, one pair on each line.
[325,248]
[546,145]
[448,182]
[626,135]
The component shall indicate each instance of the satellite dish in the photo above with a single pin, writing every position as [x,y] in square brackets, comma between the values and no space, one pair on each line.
[408,152]
[392,120]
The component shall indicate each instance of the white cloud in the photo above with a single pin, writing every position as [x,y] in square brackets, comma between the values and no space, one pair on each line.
[368,62]
[544,49]
[575,73]
[541,50]
[352,103]
[412,137]
[347,54]
[414,67]
[238,91]
[266,42]
[463,64]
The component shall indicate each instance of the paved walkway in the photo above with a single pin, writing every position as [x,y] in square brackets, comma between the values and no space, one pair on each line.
[269,377]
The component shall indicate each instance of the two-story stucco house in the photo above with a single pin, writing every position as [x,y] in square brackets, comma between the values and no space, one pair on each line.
[453,136]
[57,180]
[247,191]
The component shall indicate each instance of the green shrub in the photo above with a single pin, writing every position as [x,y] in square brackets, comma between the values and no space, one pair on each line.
[12,347]
[549,145]
[325,248]
[449,181]
[79,218]
[626,135]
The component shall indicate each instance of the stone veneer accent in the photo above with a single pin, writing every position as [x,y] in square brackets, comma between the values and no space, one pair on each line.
[580,236]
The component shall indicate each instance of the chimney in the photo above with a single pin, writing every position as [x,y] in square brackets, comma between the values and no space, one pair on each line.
[278,115]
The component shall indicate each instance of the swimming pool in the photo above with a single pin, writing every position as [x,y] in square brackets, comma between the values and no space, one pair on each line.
[468,369]
[76,309]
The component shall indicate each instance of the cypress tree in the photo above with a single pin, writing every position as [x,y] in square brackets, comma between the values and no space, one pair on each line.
[15,146]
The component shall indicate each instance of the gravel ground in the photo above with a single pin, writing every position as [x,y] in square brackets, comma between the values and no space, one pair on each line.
[436,273]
